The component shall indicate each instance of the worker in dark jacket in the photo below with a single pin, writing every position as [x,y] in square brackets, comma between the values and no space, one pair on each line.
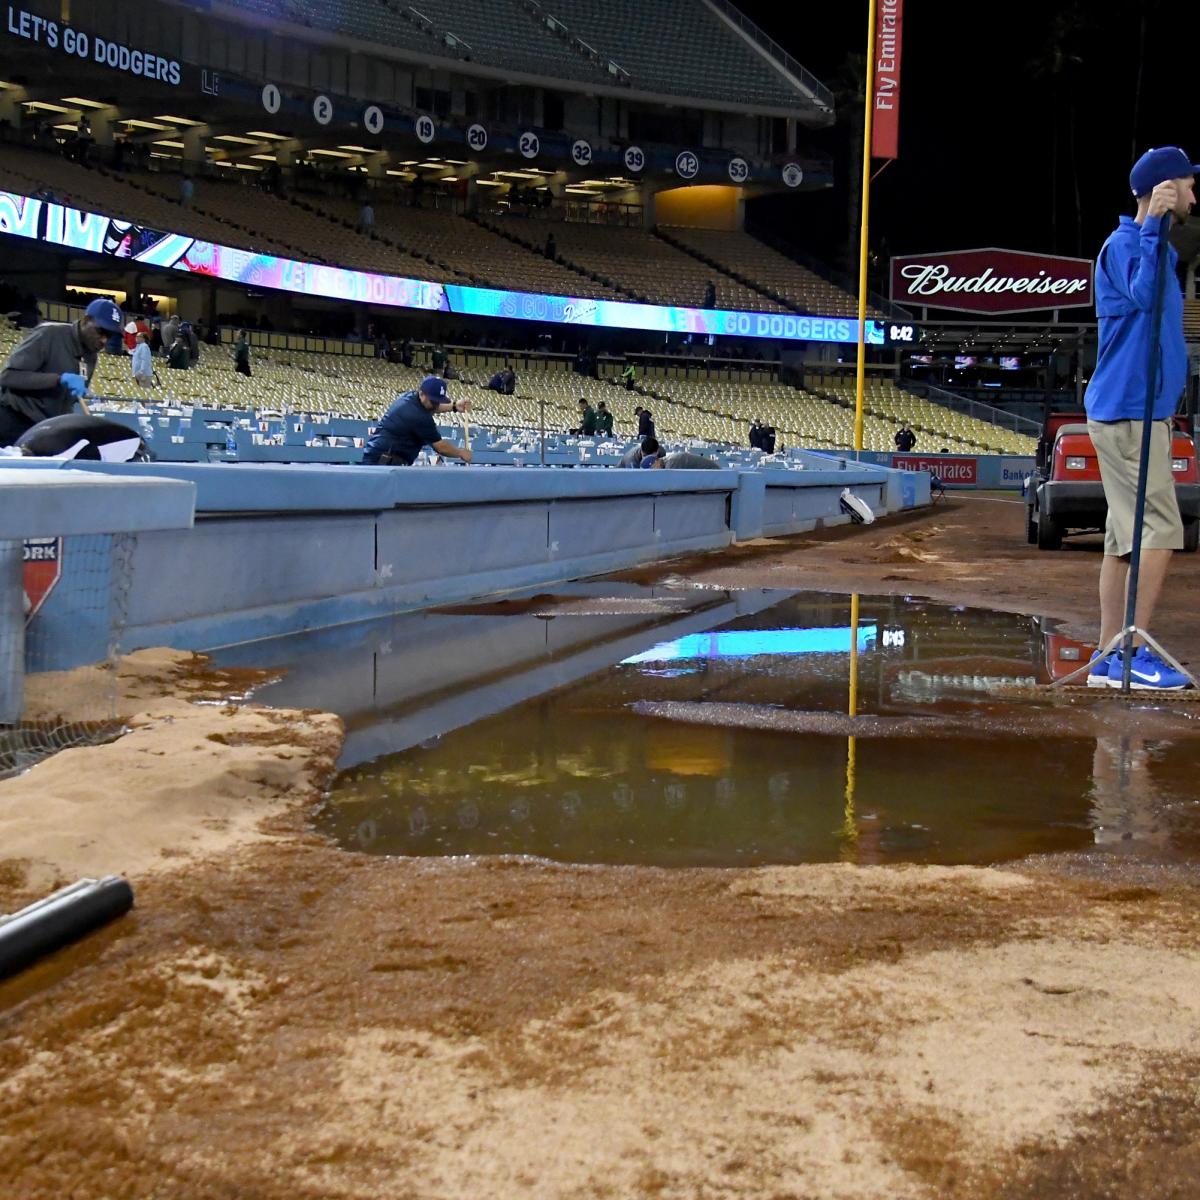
[604,420]
[587,418]
[51,369]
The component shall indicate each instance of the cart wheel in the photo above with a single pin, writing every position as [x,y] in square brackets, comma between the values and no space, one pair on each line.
[1049,533]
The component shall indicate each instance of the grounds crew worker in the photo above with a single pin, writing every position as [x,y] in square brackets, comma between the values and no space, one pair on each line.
[50,369]
[408,425]
[1162,182]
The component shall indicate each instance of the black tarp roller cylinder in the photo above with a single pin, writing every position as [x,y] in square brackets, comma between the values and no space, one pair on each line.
[59,919]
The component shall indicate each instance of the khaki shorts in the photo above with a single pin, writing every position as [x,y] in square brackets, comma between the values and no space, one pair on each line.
[1119,447]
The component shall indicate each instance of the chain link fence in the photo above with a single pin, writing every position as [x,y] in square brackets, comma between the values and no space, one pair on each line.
[59,599]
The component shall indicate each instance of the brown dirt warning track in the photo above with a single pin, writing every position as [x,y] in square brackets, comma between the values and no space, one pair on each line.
[281,1019]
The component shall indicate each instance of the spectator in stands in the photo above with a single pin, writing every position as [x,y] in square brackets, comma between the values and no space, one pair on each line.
[406,351]
[170,331]
[408,425]
[51,367]
[29,315]
[905,439]
[142,367]
[178,358]
[604,420]
[188,330]
[504,381]
[767,439]
[756,434]
[83,140]
[241,354]
[366,218]
[710,295]
[187,190]
[587,419]
[438,358]
[645,423]
[629,376]
[551,246]
[648,446]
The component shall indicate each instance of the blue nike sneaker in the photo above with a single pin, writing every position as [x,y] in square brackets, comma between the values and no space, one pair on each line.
[1148,673]
[1098,669]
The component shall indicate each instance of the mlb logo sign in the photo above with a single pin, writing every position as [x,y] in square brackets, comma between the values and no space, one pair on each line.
[42,559]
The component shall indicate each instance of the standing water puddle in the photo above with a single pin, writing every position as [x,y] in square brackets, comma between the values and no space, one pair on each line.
[614,723]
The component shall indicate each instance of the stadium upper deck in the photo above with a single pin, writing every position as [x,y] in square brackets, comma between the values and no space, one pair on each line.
[687,48]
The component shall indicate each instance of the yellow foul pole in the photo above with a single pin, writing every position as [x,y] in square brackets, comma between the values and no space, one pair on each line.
[868,107]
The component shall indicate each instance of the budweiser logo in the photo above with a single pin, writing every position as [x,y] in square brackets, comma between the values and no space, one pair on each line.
[992,280]
[928,279]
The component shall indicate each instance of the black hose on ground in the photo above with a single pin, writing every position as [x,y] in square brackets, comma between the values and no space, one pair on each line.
[59,919]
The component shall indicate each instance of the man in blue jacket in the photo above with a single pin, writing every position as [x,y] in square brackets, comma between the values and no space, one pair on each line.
[409,424]
[1162,181]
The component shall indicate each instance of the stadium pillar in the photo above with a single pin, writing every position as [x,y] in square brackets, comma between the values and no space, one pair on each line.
[193,143]
[101,120]
[11,111]
[648,191]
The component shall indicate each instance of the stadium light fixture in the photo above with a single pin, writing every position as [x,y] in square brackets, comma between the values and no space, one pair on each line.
[236,137]
[46,106]
[80,102]
[174,145]
[271,137]
[177,120]
[136,124]
[359,149]
[331,153]
[488,183]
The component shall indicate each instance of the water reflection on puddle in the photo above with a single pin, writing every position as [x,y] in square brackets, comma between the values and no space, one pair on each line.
[613,723]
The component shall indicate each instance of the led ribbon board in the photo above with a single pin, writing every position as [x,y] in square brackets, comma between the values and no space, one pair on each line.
[114,237]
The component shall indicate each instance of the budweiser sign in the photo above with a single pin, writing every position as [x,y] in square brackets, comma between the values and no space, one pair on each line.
[991,281]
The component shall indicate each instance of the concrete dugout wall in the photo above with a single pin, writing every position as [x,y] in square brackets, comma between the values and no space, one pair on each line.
[278,550]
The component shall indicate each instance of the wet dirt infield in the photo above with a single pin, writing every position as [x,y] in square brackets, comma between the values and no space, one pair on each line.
[279,1018]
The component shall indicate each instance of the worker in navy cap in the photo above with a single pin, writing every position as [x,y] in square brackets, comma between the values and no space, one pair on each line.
[409,424]
[51,368]
[1162,182]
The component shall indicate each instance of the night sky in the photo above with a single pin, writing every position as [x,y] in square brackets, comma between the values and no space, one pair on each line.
[982,109]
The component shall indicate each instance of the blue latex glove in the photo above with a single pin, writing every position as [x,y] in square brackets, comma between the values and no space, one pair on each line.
[75,384]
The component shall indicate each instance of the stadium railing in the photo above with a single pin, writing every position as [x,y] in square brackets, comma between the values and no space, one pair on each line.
[973,408]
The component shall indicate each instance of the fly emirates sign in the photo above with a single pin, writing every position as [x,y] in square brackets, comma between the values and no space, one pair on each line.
[991,281]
